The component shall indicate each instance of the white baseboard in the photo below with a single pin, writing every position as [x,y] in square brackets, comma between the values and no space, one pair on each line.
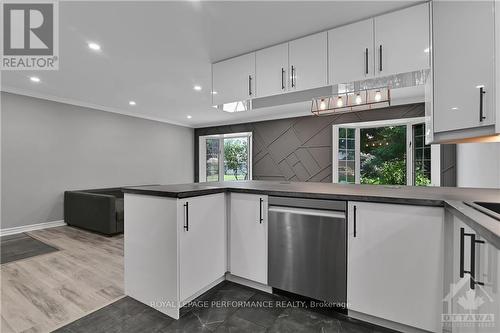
[31,227]
[384,323]
[249,283]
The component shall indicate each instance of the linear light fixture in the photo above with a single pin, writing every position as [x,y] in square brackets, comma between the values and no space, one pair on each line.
[351,101]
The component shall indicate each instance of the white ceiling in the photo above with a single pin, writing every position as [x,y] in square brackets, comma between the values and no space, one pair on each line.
[155,52]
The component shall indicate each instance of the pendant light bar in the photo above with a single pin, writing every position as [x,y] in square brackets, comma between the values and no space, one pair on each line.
[352,101]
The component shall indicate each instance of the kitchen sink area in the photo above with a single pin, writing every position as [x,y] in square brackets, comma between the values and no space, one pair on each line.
[491,209]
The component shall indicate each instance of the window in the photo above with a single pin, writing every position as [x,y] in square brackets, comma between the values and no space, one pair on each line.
[225,157]
[391,152]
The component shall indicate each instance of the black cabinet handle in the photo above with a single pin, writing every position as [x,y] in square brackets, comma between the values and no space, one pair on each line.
[462,239]
[293,76]
[366,61]
[282,78]
[481,94]
[380,58]
[354,220]
[186,207]
[473,242]
[250,85]
[260,210]
[472,270]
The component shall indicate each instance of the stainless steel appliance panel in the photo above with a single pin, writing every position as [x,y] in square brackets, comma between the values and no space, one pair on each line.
[307,252]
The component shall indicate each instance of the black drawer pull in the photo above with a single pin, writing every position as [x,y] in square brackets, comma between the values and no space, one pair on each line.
[260,210]
[186,225]
[380,59]
[282,78]
[354,220]
[481,112]
[472,270]
[366,61]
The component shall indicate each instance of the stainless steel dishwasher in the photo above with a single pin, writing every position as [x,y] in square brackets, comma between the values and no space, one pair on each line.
[307,247]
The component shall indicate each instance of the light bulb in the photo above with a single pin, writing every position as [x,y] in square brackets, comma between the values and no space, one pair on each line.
[322,105]
[358,99]
[378,96]
[340,102]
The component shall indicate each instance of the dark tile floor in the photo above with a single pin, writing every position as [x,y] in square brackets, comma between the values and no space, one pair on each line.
[21,246]
[128,315]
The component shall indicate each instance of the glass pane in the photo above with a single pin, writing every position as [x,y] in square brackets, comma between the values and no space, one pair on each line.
[236,161]
[421,157]
[351,155]
[350,172]
[212,160]
[346,156]
[383,155]
[342,155]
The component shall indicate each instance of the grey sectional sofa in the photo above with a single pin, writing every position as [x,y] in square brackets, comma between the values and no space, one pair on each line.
[98,210]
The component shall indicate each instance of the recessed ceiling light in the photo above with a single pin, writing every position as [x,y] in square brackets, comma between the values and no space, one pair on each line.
[94,46]
[35,79]
[214,92]
[197,88]
[132,103]
[189,116]
[427,50]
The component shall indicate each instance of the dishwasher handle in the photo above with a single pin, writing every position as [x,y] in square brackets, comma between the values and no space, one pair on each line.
[310,212]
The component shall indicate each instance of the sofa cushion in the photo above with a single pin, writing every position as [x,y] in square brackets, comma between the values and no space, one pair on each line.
[119,209]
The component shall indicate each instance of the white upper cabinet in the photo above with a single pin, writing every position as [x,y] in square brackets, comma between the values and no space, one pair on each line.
[350,52]
[463,63]
[402,41]
[308,62]
[271,70]
[390,44]
[248,236]
[234,79]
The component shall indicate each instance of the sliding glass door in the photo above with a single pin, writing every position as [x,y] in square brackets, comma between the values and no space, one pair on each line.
[225,157]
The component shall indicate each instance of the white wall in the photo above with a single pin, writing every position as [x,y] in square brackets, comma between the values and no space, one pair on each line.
[478,165]
[50,147]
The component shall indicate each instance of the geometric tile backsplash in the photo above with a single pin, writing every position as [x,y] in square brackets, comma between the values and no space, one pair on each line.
[300,149]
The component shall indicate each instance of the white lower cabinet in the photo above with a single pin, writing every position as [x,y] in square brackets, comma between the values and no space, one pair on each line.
[395,263]
[173,251]
[202,242]
[472,301]
[248,236]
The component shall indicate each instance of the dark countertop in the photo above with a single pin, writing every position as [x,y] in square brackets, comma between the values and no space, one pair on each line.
[450,197]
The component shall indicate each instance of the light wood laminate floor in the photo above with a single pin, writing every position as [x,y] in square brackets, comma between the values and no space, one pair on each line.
[42,293]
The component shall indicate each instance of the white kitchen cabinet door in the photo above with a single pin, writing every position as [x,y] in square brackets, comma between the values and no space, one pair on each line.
[308,62]
[351,52]
[463,61]
[271,70]
[248,236]
[486,272]
[402,41]
[395,263]
[233,79]
[202,237]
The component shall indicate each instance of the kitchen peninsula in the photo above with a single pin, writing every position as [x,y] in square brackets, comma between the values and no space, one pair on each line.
[181,240]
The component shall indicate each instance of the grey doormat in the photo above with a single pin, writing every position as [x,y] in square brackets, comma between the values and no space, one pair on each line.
[21,246]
